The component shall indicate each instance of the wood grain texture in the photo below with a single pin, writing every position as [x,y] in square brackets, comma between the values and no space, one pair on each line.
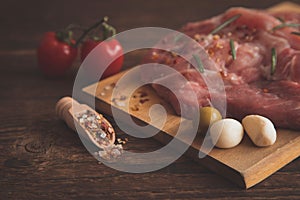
[246,164]
[41,158]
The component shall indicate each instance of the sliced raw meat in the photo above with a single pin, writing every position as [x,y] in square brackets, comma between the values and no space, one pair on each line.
[254,84]
[243,100]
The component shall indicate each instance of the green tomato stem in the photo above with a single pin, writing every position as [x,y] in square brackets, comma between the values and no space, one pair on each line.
[87,31]
[107,30]
[65,36]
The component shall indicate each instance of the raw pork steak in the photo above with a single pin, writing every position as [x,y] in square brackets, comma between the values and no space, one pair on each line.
[253,84]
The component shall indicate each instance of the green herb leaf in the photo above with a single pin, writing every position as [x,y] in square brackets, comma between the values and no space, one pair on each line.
[233,53]
[296,33]
[274,61]
[285,25]
[224,24]
[280,19]
[199,63]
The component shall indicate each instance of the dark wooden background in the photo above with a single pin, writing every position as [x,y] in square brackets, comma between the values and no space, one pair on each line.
[40,158]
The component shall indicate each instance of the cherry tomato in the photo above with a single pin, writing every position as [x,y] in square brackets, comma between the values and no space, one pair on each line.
[55,55]
[110,50]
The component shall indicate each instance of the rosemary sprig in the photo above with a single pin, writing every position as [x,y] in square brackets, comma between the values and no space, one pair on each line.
[285,25]
[224,24]
[296,33]
[199,63]
[273,61]
[233,52]
[280,19]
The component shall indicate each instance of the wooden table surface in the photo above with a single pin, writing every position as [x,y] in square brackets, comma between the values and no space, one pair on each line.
[40,158]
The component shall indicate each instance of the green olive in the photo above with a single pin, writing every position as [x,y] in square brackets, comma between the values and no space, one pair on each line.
[208,115]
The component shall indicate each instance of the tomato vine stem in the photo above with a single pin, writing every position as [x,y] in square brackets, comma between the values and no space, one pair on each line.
[106,30]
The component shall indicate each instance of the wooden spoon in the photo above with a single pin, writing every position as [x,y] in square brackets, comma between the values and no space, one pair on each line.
[86,121]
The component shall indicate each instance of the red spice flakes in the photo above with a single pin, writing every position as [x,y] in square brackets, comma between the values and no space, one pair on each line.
[211,52]
[154,55]
[142,94]
[265,90]
[223,74]
[96,126]
[134,108]
[144,100]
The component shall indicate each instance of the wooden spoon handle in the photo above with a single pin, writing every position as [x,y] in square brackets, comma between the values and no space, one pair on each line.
[63,110]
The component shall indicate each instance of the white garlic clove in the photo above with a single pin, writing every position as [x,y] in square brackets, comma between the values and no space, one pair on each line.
[226,133]
[260,130]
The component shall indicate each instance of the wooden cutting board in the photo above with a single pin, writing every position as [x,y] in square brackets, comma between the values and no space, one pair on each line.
[245,164]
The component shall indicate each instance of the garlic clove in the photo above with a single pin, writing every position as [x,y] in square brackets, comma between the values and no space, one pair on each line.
[226,133]
[260,130]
